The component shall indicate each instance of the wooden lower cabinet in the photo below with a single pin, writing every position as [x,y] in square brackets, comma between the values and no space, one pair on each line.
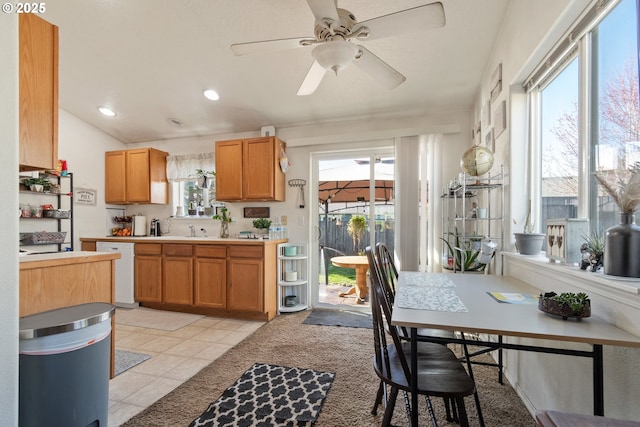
[245,286]
[210,281]
[148,272]
[220,280]
[177,279]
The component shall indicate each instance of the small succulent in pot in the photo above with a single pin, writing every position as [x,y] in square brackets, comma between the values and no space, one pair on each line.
[592,251]
[262,223]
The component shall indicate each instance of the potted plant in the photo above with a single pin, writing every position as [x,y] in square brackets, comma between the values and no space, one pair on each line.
[567,304]
[621,242]
[463,258]
[225,218]
[592,251]
[262,224]
[528,242]
[356,228]
[37,184]
[204,177]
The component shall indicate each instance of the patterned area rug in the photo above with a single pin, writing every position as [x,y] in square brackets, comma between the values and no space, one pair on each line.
[125,360]
[269,396]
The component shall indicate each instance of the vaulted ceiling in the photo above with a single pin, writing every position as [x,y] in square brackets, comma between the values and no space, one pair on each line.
[150,60]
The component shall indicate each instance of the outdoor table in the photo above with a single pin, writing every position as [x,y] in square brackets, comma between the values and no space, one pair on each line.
[461,302]
[361,265]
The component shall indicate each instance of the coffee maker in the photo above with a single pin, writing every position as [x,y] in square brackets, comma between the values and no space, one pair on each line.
[155,228]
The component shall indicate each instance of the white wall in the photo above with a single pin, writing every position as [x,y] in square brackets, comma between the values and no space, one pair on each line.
[528,33]
[83,147]
[9,230]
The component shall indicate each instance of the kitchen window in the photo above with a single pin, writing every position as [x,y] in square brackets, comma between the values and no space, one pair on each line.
[585,115]
[191,195]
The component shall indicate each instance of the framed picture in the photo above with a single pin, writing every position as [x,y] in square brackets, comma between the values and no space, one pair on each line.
[500,118]
[490,141]
[496,83]
[262,212]
[486,114]
[85,196]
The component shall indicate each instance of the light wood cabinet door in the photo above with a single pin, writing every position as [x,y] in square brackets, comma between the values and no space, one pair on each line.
[229,170]
[210,285]
[148,278]
[38,93]
[115,184]
[245,285]
[136,176]
[178,280]
[258,164]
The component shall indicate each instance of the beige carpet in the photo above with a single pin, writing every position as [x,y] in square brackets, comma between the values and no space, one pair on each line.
[345,351]
[155,319]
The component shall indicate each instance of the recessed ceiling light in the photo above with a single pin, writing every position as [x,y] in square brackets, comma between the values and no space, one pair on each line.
[107,111]
[211,94]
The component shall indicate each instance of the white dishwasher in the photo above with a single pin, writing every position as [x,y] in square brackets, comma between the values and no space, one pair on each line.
[124,271]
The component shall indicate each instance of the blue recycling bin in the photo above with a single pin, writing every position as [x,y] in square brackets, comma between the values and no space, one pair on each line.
[65,359]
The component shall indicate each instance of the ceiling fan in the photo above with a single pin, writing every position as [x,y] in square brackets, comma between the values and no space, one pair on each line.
[336,29]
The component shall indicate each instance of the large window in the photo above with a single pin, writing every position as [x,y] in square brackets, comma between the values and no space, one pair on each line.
[586,114]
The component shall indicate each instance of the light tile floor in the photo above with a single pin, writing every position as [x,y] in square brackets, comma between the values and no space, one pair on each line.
[175,357]
[178,355]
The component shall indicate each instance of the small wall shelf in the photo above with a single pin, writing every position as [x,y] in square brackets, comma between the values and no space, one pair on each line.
[47,230]
[293,283]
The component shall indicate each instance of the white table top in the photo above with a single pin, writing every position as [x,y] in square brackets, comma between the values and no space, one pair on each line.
[486,315]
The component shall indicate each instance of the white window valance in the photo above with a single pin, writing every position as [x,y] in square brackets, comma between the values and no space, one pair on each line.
[183,167]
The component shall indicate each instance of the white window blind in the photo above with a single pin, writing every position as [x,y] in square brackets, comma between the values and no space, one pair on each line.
[183,167]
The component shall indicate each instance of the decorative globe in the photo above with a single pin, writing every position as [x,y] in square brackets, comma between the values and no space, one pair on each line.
[477,160]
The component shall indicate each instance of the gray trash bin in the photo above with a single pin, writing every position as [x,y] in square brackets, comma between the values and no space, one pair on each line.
[65,359]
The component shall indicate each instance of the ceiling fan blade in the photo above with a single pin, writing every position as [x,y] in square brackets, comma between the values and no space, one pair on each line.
[378,69]
[324,9]
[406,21]
[312,80]
[266,46]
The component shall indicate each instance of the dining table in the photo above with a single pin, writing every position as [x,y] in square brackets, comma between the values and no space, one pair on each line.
[497,305]
[361,264]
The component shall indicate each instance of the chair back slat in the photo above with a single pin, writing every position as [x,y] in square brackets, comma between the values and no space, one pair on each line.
[382,309]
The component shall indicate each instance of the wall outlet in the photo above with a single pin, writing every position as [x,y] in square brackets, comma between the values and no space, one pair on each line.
[283,220]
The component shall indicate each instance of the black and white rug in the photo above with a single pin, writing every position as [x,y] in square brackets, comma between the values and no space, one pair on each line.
[269,396]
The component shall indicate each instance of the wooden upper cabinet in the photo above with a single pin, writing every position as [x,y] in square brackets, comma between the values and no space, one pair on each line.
[249,170]
[229,170]
[38,93]
[136,176]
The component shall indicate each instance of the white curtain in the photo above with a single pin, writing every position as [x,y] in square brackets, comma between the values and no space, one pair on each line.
[407,151]
[183,167]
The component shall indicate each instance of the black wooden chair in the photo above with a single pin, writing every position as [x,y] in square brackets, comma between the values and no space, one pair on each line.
[389,273]
[439,373]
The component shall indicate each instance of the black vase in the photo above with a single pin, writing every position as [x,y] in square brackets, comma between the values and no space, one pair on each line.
[622,248]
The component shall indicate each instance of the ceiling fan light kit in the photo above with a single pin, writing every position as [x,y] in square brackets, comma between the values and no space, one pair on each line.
[335,55]
[334,32]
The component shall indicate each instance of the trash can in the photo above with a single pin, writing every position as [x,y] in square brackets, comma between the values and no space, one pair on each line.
[65,359]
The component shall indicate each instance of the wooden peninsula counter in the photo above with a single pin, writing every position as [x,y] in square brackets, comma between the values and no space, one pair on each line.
[56,280]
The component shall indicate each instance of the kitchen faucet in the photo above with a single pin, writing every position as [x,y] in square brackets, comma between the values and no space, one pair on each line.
[193,230]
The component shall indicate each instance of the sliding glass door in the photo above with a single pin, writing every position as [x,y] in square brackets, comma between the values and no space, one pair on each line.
[354,209]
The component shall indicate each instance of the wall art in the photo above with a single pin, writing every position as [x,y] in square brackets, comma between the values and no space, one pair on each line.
[261,212]
[500,118]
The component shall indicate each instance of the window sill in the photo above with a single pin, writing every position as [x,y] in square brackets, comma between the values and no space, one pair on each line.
[628,285]
[615,300]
